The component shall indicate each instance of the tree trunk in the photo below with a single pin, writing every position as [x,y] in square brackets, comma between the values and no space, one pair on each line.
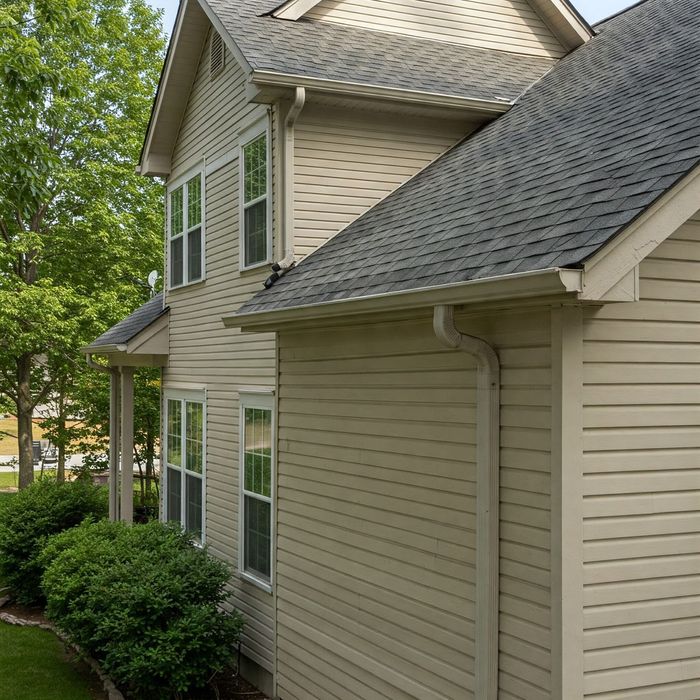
[61,464]
[150,458]
[25,410]
[61,432]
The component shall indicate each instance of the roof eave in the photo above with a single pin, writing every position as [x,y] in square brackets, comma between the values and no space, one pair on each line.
[267,78]
[553,282]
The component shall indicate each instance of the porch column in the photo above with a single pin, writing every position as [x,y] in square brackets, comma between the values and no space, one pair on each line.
[114,432]
[127,442]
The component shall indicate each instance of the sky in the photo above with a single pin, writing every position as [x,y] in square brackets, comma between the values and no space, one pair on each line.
[592,10]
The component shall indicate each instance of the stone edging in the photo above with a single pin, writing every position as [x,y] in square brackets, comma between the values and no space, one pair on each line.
[113,693]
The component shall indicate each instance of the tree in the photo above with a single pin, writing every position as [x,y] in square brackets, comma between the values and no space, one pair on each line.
[91,433]
[77,225]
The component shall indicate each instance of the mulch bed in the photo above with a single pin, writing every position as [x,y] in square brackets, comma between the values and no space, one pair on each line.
[225,686]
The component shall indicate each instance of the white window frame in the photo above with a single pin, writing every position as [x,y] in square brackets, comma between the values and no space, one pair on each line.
[263,399]
[182,181]
[262,126]
[184,396]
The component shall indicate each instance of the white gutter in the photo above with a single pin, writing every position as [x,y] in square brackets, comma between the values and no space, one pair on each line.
[487,495]
[542,283]
[288,80]
[288,181]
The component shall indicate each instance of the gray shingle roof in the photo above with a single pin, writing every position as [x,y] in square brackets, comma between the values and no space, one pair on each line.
[581,155]
[336,52]
[132,325]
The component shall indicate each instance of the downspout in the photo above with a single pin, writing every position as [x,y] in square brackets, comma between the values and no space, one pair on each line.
[114,432]
[281,267]
[487,495]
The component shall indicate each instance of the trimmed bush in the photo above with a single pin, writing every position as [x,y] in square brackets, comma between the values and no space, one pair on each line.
[144,601]
[29,518]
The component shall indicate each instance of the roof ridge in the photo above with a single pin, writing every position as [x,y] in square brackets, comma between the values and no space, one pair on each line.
[623,11]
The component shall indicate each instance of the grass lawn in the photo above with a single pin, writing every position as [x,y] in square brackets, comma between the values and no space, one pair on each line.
[34,666]
[10,479]
[8,442]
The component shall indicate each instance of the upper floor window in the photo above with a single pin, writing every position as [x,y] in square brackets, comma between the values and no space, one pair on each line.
[256,224]
[186,239]
[184,460]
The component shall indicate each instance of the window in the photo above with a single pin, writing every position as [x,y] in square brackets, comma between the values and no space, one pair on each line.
[256,222]
[184,459]
[186,238]
[257,478]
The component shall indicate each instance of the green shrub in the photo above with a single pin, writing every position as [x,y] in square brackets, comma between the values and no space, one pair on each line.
[43,509]
[144,601]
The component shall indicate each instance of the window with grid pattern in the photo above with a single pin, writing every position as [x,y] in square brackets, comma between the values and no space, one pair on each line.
[186,239]
[184,457]
[255,201]
[257,460]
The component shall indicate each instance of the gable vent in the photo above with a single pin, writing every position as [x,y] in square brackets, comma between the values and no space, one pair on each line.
[216,54]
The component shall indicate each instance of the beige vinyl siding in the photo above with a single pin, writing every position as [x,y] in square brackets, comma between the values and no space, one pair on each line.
[642,483]
[507,25]
[376,502]
[345,162]
[204,353]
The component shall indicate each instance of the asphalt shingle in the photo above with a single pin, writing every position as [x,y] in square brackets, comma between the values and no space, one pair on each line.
[132,325]
[338,52]
[583,153]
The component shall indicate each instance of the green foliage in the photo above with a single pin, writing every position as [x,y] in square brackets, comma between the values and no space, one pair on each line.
[144,601]
[29,518]
[79,230]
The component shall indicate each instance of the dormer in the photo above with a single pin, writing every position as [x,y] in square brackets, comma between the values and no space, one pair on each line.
[538,28]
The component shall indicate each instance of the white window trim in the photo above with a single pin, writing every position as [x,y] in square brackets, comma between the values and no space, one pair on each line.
[263,399]
[198,395]
[181,181]
[261,126]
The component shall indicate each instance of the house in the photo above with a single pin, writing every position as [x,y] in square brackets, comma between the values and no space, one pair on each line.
[452,448]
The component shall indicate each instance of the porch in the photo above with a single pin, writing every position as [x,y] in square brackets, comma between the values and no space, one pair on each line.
[140,340]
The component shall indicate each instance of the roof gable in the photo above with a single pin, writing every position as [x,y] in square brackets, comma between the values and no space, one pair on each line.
[536,27]
[192,25]
[131,329]
[580,158]
[332,57]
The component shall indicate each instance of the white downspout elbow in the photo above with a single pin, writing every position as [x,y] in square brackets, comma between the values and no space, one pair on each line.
[487,500]
[288,182]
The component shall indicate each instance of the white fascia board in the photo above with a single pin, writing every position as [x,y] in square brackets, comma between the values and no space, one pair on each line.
[156,164]
[553,282]
[294,9]
[566,23]
[340,87]
[145,166]
[606,268]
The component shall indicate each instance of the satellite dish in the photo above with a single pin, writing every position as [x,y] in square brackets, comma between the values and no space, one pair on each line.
[152,279]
